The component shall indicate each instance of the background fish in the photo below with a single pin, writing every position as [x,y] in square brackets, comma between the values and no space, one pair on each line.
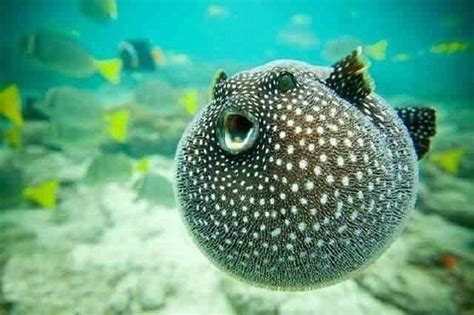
[337,48]
[296,176]
[14,189]
[63,54]
[99,10]
[11,112]
[137,55]
[76,116]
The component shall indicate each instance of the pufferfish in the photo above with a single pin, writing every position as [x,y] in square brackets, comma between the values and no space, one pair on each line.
[296,176]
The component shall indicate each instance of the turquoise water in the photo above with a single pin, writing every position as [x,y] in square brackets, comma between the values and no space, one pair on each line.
[249,34]
[89,223]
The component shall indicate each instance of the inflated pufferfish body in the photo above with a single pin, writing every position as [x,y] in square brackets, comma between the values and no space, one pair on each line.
[297,176]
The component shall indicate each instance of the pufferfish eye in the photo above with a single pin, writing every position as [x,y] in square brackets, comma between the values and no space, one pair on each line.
[286,82]
[236,131]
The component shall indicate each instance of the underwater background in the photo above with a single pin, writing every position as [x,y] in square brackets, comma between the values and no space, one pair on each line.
[95,95]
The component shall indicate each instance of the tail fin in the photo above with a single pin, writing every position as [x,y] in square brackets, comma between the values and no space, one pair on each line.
[13,137]
[10,105]
[158,56]
[118,125]
[143,165]
[449,160]
[110,69]
[189,99]
[421,125]
[377,50]
[111,6]
[44,194]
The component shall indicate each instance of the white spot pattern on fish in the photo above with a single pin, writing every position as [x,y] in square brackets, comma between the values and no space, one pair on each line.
[319,192]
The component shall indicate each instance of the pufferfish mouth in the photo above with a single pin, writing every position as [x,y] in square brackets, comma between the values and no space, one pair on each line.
[237,130]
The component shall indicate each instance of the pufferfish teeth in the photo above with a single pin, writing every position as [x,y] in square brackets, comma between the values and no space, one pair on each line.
[297,176]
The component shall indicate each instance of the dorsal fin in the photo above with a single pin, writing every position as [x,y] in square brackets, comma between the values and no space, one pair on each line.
[349,79]
[219,77]
[421,125]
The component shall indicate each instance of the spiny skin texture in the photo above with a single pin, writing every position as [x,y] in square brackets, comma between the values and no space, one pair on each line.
[323,191]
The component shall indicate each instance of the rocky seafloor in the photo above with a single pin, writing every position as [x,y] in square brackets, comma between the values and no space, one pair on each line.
[107,249]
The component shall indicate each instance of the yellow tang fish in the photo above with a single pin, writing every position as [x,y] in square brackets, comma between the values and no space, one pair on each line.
[43,194]
[449,47]
[10,105]
[402,57]
[158,56]
[189,99]
[99,10]
[448,160]
[118,125]
[62,53]
[143,165]
[13,137]
[216,11]
[10,108]
[377,50]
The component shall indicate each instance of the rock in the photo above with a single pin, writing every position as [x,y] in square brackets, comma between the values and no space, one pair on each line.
[412,289]
[406,276]
[428,236]
[120,302]
[443,251]
[105,251]
[153,291]
[12,239]
[39,164]
[156,189]
[151,242]
[41,283]
[447,195]
[108,168]
[344,298]
[69,224]
[119,205]
[249,300]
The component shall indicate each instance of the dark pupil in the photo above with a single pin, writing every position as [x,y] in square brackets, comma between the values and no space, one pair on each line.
[286,82]
[237,126]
